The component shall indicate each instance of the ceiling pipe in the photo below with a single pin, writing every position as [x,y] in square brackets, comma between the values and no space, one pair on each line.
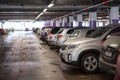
[85,9]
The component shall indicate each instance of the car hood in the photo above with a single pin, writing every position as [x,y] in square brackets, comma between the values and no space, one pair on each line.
[78,41]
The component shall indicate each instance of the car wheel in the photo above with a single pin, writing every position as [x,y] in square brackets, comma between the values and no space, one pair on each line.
[89,63]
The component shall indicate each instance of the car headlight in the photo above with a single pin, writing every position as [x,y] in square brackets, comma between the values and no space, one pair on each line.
[71,46]
[66,47]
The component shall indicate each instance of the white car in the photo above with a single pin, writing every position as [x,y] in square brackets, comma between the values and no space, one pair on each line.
[84,52]
[51,37]
[62,35]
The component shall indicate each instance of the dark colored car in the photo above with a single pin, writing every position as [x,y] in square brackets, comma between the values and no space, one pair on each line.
[2,31]
[117,76]
[26,29]
[108,59]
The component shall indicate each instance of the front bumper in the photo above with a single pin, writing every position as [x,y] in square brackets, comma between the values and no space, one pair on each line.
[107,67]
[52,43]
[67,59]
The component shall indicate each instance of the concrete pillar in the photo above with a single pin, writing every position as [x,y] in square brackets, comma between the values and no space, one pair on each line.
[92,19]
[47,23]
[51,23]
[61,21]
[65,23]
[2,23]
[54,23]
[79,20]
[57,23]
[114,15]
[71,21]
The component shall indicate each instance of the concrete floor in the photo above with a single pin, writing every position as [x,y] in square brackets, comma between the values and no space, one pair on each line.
[24,57]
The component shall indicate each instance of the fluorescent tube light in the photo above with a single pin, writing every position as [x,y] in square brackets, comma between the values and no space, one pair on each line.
[50,5]
[45,10]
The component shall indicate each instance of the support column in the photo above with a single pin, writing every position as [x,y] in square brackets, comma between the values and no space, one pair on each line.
[2,24]
[114,15]
[47,23]
[54,23]
[57,23]
[71,21]
[65,23]
[79,20]
[61,21]
[92,19]
[51,23]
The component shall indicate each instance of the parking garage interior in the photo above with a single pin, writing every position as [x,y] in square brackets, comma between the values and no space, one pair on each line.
[25,56]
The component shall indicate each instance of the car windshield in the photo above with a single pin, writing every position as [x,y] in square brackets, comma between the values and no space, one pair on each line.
[99,32]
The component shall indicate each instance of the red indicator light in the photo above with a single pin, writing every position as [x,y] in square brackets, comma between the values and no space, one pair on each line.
[103,3]
[86,9]
[75,12]
[68,15]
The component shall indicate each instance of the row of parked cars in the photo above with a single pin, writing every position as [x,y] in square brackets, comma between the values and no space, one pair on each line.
[86,48]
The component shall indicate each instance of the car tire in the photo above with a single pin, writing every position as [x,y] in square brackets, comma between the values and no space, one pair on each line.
[89,63]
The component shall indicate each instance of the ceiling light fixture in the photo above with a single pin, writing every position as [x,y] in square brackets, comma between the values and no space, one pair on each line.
[45,9]
[51,4]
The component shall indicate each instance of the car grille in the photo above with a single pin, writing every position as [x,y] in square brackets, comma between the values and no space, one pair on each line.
[113,58]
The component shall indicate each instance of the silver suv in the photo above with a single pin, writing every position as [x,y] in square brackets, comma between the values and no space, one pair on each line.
[62,35]
[84,52]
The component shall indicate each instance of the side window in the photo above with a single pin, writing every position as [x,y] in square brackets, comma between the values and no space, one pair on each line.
[70,31]
[115,30]
[89,32]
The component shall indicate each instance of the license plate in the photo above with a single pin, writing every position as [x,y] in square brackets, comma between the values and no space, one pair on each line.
[108,53]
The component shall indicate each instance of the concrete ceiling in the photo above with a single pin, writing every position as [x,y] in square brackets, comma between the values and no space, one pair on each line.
[29,9]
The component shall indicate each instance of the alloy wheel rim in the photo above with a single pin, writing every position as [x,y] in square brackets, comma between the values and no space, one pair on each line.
[90,63]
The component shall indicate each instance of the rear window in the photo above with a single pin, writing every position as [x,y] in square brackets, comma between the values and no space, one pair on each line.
[60,31]
[55,30]
[70,31]
[116,34]
[99,32]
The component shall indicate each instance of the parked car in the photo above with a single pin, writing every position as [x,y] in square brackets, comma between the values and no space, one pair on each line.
[117,75]
[2,31]
[44,32]
[26,29]
[62,35]
[108,58]
[77,32]
[51,37]
[84,52]
[35,29]
[6,31]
